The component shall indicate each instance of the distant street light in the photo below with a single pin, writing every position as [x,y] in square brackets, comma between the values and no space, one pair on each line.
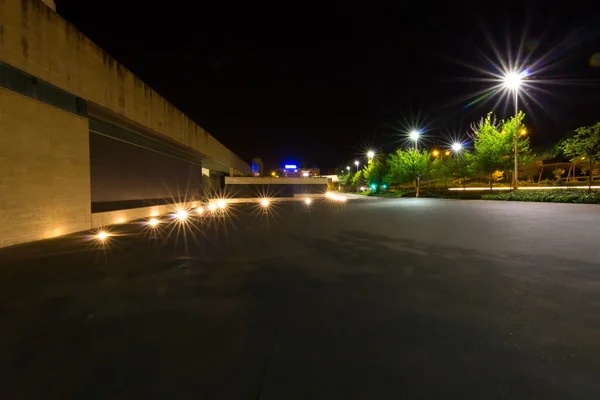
[415,136]
[435,153]
[512,81]
[348,168]
[370,154]
[356,163]
[457,147]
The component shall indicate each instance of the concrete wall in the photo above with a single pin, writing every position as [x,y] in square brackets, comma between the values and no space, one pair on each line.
[35,39]
[121,172]
[103,219]
[274,181]
[274,187]
[44,170]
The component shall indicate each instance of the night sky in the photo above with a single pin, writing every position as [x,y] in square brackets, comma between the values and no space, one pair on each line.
[319,83]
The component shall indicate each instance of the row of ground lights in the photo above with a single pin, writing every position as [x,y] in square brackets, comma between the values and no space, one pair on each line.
[182,215]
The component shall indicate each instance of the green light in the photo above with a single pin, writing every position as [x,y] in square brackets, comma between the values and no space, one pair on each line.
[384,186]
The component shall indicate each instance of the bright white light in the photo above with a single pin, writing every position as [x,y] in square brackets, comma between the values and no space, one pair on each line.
[307,201]
[527,188]
[264,202]
[102,236]
[305,174]
[457,146]
[362,188]
[481,188]
[356,163]
[212,206]
[348,168]
[370,154]
[199,210]
[512,80]
[153,222]
[333,196]
[414,135]
[181,215]
[221,204]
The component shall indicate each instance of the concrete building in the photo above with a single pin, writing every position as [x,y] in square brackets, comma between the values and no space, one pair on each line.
[258,168]
[72,119]
[296,172]
[275,187]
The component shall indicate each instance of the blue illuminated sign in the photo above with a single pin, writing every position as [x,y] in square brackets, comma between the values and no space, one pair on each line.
[291,166]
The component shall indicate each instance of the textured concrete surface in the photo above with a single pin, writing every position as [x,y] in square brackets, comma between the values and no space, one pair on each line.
[38,41]
[377,299]
[44,170]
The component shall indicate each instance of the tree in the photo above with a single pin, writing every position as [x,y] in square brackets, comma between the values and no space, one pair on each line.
[346,180]
[359,179]
[376,174]
[459,166]
[532,167]
[410,166]
[498,175]
[442,168]
[510,129]
[585,143]
[558,173]
[491,148]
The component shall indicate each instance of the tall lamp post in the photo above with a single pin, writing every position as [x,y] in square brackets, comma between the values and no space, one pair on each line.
[457,147]
[356,163]
[415,136]
[512,81]
[370,155]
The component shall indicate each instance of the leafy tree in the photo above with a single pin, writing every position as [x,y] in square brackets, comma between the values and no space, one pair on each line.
[524,150]
[358,179]
[376,173]
[532,167]
[508,129]
[441,168]
[558,173]
[585,143]
[459,166]
[491,148]
[346,180]
[498,176]
[410,166]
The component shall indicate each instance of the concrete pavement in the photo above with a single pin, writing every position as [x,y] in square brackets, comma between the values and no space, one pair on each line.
[373,299]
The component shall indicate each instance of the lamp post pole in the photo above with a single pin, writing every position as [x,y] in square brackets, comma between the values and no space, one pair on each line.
[516,139]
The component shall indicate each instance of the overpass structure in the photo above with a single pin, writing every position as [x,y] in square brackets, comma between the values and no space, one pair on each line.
[78,130]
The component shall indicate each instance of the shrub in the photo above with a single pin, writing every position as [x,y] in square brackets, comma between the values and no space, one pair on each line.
[549,196]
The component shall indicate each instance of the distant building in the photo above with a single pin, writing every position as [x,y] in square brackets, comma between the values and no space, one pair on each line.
[258,169]
[293,171]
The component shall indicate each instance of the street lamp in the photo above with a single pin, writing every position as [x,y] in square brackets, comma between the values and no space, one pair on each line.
[414,136]
[457,147]
[356,163]
[512,81]
[370,154]
[348,168]
[435,153]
